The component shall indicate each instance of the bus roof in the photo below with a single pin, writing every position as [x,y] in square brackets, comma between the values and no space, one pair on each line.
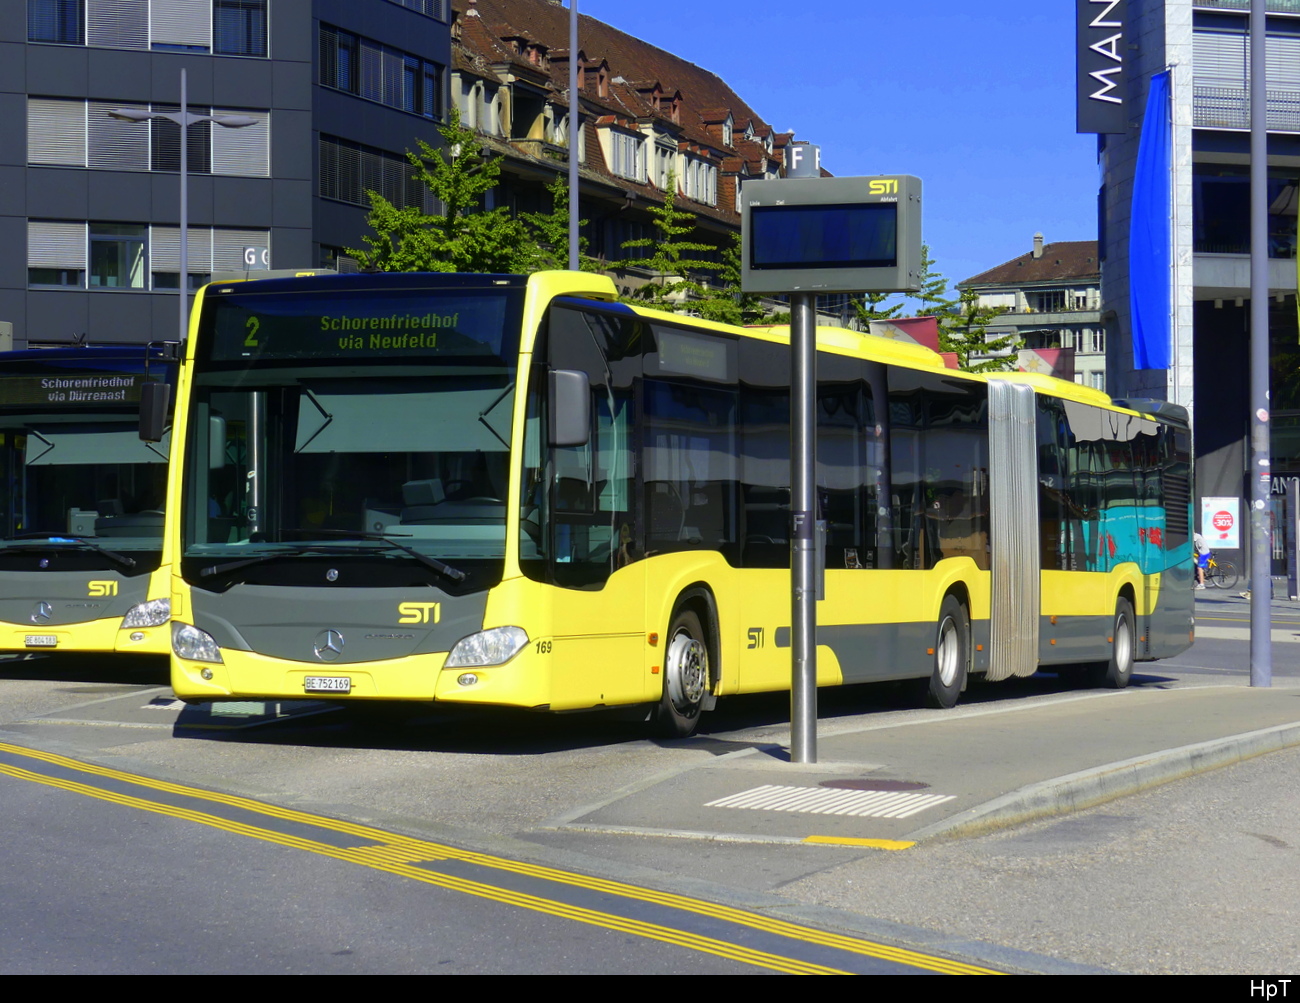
[1057,387]
[88,355]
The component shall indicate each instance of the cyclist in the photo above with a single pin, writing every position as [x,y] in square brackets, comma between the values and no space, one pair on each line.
[1202,558]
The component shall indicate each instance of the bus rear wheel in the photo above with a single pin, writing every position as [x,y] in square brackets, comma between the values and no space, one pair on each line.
[686,677]
[1116,672]
[951,655]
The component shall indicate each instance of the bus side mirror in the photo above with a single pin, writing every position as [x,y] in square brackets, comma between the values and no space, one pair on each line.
[570,409]
[155,401]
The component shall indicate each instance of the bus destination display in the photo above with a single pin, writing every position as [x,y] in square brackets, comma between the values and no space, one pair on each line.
[268,327]
[70,389]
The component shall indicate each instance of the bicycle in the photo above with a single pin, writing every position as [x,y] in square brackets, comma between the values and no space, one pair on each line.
[1220,575]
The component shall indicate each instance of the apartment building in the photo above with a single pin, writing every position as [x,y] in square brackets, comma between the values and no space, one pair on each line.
[90,204]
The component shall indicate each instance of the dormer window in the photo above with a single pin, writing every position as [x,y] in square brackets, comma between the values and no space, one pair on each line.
[624,153]
[699,181]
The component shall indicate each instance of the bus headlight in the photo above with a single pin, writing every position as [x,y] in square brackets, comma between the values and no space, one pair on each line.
[154,613]
[488,647]
[194,644]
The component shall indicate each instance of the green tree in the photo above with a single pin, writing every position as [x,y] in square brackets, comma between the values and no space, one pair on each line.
[670,257]
[964,331]
[464,237]
[869,307]
[963,323]
[729,304]
[550,233]
[933,299]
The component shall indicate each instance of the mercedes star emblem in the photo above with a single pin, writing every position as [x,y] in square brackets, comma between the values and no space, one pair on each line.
[42,612]
[329,645]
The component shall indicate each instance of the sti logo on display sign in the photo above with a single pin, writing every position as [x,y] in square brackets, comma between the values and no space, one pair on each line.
[1101,97]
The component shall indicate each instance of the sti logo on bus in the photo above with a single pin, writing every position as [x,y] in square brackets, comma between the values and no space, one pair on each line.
[419,612]
[108,588]
[883,186]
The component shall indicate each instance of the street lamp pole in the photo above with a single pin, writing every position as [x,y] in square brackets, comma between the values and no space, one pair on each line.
[575,120]
[184,120]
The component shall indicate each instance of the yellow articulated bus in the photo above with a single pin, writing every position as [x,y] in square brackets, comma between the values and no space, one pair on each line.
[509,491]
[82,562]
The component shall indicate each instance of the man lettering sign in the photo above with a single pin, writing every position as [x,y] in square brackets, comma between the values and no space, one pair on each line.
[1101,103]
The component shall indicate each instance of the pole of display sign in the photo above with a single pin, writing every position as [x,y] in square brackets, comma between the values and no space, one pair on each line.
[802,236]
[1261,576]
[803,535]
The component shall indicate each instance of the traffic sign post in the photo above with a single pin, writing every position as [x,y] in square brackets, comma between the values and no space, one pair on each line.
[804,236]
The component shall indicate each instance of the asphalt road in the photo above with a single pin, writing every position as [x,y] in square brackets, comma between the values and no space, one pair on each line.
[1192,876]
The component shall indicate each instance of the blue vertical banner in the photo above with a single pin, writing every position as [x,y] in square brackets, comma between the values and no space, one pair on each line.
[1150,242]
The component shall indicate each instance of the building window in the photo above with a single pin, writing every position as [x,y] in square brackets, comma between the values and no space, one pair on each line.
[180,25]
[378,72]
[56,21]
[239,27]
[117,258]
[83,134]
[701,182]
[349,171]
[54,277]
[429,8]
[120,256]
[1048,301]
[626,160]
[226,27]
[165,142]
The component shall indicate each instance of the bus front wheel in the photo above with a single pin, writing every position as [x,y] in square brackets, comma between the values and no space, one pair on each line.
[951,655]
[686,677]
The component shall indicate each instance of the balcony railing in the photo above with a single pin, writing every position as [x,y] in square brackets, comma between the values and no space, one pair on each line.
[1229,108]
[1279,246]
[1273,6]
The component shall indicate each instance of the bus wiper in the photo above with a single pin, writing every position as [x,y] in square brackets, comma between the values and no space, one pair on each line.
[221,569]
[455,574]
[77,541]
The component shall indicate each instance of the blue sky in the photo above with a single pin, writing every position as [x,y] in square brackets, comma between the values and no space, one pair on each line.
[974,98]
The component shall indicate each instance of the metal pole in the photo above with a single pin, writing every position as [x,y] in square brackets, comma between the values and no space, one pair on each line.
[184,289]
[575,120]
[803,536]
[1261,581]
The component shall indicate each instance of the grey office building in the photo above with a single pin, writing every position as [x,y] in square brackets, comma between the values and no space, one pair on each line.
[90,204]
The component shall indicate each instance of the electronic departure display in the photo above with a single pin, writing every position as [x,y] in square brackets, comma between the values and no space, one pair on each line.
[861,235]
[831,235]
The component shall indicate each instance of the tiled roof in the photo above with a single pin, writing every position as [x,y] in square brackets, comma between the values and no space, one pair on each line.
[637,63]
[1064,260]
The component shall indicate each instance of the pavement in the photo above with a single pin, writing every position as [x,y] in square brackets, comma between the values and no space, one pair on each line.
[892,785]
[892,780]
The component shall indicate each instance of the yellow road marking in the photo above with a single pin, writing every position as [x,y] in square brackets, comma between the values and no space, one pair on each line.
[878,844]
[394,853]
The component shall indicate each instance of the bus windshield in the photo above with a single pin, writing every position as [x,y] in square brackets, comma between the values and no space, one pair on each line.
[372,431]
[74,475]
